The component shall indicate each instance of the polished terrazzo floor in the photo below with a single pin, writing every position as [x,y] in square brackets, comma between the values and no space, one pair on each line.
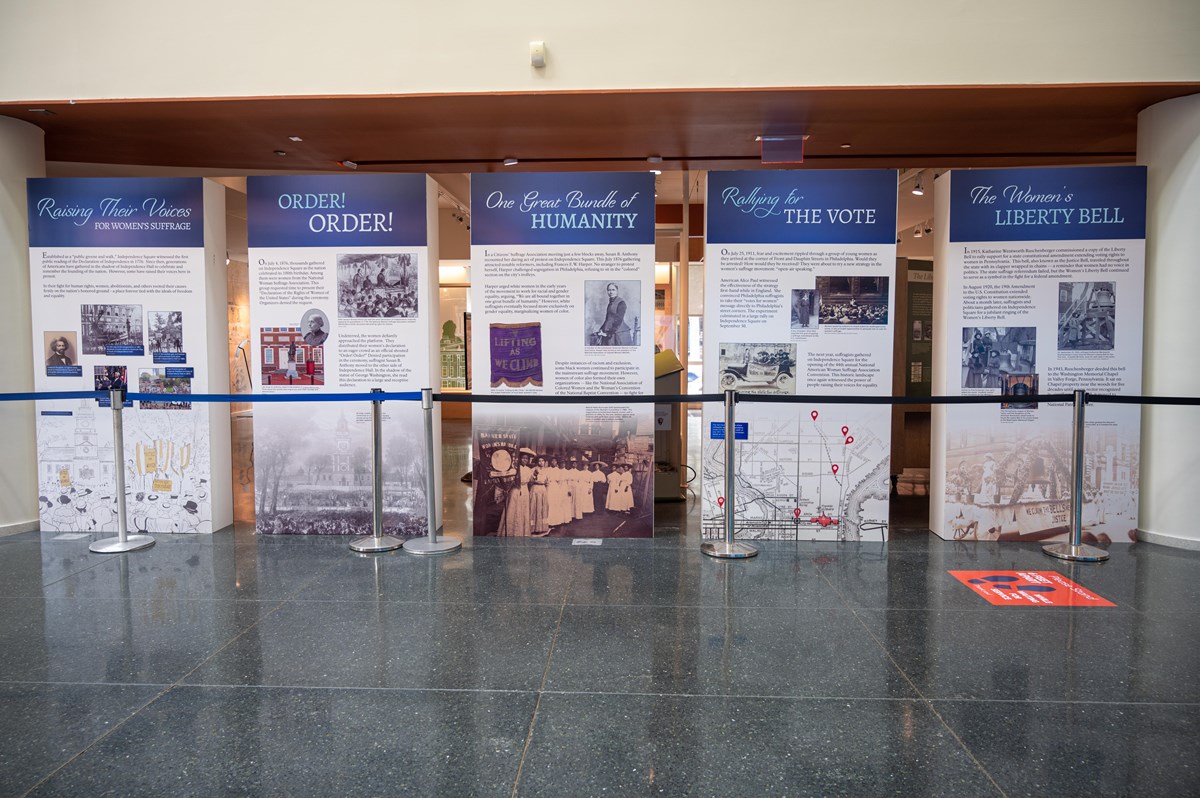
[244,665]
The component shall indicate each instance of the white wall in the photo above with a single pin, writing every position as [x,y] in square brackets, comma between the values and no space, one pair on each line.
[72,49]
[22,155]
[1169,147]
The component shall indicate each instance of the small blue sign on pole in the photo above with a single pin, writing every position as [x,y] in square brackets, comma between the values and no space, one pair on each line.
[741,430]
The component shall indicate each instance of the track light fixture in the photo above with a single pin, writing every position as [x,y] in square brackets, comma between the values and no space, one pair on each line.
[918,190]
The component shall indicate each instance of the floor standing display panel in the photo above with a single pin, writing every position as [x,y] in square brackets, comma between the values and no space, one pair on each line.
[342,293]
[125,293]
[1039,289]
[799,288]
[562,297]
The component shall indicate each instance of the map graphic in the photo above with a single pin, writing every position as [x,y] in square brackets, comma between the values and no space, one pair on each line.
[818,472]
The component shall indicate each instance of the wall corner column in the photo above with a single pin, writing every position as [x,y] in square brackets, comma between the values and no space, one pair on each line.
[1169,146]
[22,155]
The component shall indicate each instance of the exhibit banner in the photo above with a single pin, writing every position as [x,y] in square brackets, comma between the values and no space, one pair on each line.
[799,273]
[343,288]
[562,299]
[1039,290]
[124,293]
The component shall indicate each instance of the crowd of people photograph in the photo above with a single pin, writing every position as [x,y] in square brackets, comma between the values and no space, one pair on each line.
[549,493]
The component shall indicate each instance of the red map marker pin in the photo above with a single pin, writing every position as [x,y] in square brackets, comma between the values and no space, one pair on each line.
[835,468]
[814,415]
[797,512]
[849,440]
[845,430]
[720,501]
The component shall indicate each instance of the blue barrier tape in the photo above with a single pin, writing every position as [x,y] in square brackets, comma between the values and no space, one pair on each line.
[383,396]
[415,396]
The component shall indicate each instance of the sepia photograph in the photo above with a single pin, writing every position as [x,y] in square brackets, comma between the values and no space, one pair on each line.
[377,286]
[853,300]
[60,349]
[1087,316]
[758,368]
[110,325]
[612,312]
[563,476]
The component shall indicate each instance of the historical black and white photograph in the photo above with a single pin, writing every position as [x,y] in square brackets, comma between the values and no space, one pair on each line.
[109,325]
[805,306]
[853,300]
[174,390]
[313,470]
[990,355]
[758,368]
[612,312]
[166,330]
[60,348]
[1087,316]
[377,286]
[314,327]
[563,476]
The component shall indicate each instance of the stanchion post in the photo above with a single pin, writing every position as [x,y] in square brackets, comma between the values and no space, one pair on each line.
[1074,549]
[431,543]
[377,542]
[729,549]
[123,541]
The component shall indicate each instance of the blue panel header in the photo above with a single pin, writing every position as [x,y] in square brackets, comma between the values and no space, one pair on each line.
[336,211]
[1060,204]
[795,207]
[116,212]
[545,208]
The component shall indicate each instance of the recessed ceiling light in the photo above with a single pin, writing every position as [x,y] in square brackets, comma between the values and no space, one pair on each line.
[654,159]
[348,164]
[845,145]
[656,171]
[45,111]
[280,153]
[511,162]
[295,138]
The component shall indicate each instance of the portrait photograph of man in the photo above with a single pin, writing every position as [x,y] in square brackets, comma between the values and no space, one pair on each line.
[612,312]
[60,349]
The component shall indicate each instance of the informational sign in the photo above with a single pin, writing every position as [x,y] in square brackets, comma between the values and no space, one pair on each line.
[120,291]
[562,298]
[918,344]
[799,274]
[343,299]
[1040,285]
[1029,589]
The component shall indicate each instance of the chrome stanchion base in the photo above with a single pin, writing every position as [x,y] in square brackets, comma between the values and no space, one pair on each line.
[118,546]
[422,545]
[374,545]
[728,551]
[1082,553]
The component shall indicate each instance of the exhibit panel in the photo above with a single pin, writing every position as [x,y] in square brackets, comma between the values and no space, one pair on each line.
[343,296]
[127,292]
[799,278]
[562,298]
[1039,291]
